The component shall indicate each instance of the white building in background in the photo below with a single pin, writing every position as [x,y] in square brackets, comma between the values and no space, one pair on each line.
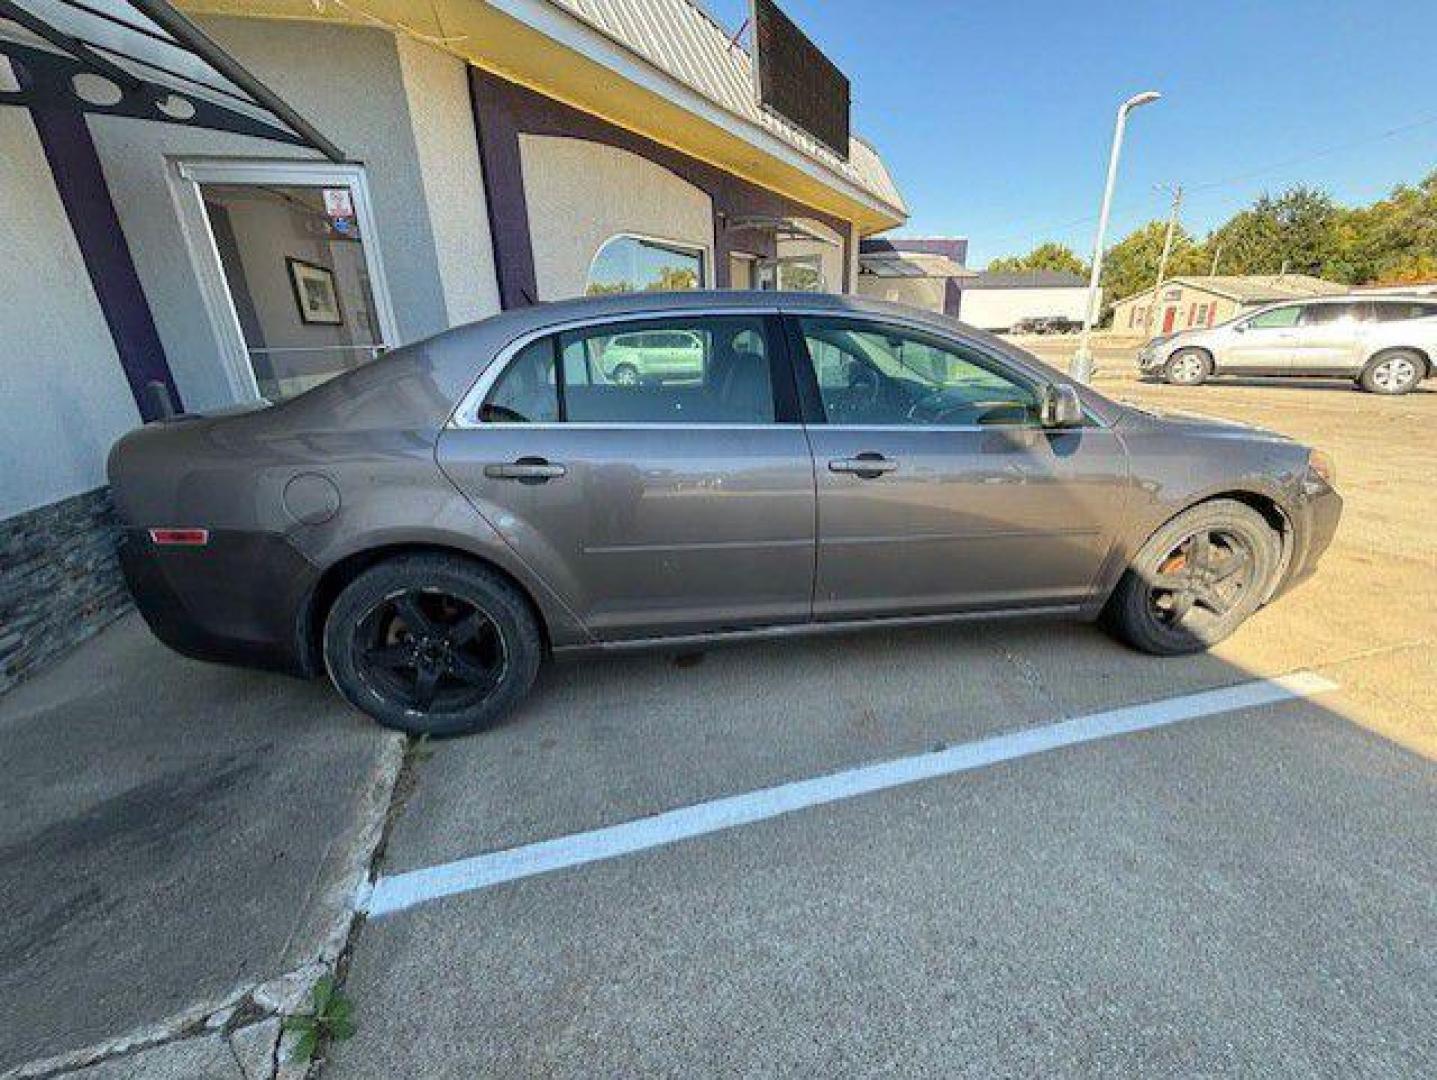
[999,301]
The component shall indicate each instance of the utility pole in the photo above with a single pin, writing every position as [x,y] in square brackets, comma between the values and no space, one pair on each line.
[1177,193]
[1081,366]
[1216,255]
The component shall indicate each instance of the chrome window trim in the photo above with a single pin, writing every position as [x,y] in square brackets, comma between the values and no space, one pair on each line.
[465,415]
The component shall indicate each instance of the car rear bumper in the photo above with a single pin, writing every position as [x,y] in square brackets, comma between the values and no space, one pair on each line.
[241,598]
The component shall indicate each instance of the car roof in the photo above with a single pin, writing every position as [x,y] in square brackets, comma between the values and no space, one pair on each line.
[455,358]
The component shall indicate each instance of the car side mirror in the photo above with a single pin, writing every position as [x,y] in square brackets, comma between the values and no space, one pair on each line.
[1060,407]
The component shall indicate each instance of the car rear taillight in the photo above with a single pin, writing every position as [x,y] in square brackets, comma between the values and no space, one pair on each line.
[180,537]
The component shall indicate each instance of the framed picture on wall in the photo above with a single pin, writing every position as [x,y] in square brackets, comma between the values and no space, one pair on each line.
[314,293]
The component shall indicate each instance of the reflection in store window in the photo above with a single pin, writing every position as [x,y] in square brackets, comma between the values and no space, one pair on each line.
[797,273]
[627,264]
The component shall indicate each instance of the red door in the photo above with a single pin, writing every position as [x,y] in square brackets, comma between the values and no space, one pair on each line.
[1169,315]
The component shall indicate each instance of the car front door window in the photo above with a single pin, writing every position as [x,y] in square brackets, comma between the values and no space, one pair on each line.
[1276,319]
[873,375]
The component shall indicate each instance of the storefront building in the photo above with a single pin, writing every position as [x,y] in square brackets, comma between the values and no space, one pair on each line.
[469,156]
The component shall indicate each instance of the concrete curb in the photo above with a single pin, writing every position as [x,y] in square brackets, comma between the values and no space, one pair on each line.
[247,1018]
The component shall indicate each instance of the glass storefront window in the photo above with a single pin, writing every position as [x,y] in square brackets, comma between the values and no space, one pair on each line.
[628,264]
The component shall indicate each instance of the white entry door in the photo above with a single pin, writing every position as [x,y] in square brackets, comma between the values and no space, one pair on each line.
[287,257]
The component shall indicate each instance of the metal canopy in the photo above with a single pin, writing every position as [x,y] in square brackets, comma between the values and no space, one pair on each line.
[142,59]
[783,228]
[905,264]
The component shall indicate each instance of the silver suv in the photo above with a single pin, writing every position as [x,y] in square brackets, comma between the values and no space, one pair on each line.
[1386,344]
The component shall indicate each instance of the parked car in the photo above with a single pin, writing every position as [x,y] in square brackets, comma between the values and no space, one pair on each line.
[428,527]
[1386,344]
[659,355]
[1047,324]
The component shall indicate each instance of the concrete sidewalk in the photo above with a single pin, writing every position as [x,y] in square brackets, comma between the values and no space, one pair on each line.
[171,835]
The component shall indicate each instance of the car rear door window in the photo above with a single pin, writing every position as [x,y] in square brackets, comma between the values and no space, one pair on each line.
[527,391]
[1328,314]
[691,370]
[698,370]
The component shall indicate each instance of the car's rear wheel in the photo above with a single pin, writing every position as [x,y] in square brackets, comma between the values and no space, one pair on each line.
[432,645]
[1196,579]
[1396,372]
[1188,367]
[626,375]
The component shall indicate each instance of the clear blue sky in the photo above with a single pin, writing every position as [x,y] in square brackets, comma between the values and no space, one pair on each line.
[995,115]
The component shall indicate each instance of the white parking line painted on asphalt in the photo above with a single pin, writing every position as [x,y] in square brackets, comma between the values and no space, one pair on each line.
[400,891]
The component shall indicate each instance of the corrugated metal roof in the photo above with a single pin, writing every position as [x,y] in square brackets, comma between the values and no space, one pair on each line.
[683,40]
[1256,288]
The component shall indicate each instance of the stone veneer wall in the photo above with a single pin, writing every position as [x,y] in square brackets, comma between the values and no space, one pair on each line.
[59,581]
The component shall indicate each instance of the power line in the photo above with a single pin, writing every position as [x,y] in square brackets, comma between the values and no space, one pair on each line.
[1301,159]
[1209,186]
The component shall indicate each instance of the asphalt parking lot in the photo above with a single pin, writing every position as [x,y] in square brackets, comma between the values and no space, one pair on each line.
[1249,889]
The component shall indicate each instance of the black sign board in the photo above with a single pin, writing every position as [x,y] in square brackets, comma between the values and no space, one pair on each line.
[797,81]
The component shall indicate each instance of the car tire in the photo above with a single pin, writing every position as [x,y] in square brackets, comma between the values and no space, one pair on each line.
[1187,367]
[470,657]
[626,375]
[1395,372]
[1182,596]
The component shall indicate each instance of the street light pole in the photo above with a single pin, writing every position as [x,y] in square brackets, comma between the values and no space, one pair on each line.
[1082,366]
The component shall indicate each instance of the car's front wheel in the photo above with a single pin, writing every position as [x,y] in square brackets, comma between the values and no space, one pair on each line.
[1392,373]
[1188,367]
[432,645]
[1196,579]
[626,375]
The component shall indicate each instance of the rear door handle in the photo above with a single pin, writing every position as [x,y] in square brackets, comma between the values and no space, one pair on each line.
[525,470]
[867,465]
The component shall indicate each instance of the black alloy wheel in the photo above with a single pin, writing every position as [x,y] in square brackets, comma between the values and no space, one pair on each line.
[1203,578]
[432,644]
[1196,579]
[430,651]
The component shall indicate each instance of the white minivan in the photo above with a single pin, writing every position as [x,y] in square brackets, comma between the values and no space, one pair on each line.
[1386,344]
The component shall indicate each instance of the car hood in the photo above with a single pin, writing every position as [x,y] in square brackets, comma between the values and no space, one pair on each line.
[1197,423]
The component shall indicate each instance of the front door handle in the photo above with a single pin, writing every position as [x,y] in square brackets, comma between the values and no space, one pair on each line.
[867,465]
[527,470]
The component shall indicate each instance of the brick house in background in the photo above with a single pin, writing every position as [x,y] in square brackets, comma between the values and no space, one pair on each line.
[1193,301]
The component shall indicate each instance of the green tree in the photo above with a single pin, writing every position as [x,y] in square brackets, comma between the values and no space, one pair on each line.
[1131,265]
[1048,256]
[1392,241]
[1300,229]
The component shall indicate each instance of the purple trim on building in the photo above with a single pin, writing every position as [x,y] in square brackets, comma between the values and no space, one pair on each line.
[75,166]
[497,114]
[952,297]
[503,110]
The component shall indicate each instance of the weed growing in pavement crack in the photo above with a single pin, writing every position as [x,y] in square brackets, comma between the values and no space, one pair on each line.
[329,1021]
